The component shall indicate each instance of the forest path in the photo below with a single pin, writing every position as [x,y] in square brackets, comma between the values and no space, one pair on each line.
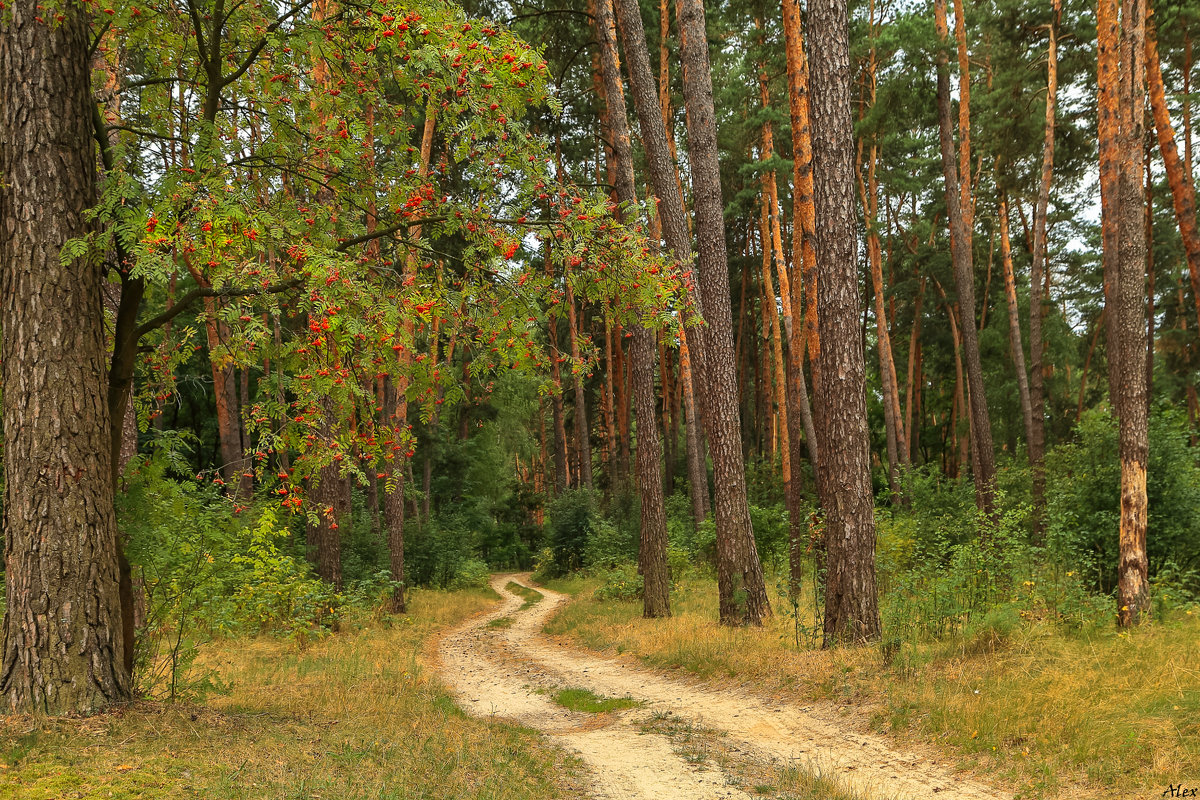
[506,672]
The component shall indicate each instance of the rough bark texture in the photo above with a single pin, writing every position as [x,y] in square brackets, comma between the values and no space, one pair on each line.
[964,283]
[773,250]
[583,431]
[330,498]
[63,649]
[1107,129]
[851,602]
[893,417]
[743,592]
[1133,596]
[652,554]
[696,461]
[912,380]
[561,471]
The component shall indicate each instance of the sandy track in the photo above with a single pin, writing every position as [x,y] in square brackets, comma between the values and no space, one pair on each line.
[497,671]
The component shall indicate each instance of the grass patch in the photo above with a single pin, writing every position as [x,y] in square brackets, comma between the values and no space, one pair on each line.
[591,703]
[1047,711]
[501,622]
[531,596]
[355,715]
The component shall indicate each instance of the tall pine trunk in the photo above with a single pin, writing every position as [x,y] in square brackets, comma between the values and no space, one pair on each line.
[667,188]
[1179,178]
[652,553]
[1014,320]
[1128,323]
[63,649]
[742,589]
[851,601]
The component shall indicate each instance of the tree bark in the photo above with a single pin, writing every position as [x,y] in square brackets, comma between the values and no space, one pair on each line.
[964,281]
[913,379]
[583,440]
[801,304]
[851,601]
[742,590]
[696,461]
[561,470]
[898,447]
[1129,319]
[63,649]
[652,553]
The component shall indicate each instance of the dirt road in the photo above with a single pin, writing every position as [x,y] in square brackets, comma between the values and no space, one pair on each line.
[507,672]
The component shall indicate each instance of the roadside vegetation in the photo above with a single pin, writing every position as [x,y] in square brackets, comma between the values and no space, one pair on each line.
[356,715]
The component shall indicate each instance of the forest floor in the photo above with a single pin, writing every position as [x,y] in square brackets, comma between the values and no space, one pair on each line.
[675,738]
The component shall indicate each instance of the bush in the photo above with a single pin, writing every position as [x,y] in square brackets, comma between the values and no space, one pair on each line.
[204,570]
[610,545]
[471,574]
[620,583]
[1083,500]
[771,535]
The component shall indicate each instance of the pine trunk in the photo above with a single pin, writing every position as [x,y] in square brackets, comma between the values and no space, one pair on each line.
[1037,308]
[1183,191]
[803,304]
[668,190]
[652,553]
[851,601]
[742,589]
[1133,595]
[63,650]
[583,441]
[393,507]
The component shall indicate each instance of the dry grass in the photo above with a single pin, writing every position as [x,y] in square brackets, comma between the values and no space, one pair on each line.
[1042,710]
[356,715]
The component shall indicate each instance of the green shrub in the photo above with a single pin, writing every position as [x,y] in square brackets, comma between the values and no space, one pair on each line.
[1083,480]
[436,552]
[610,545]
[205,570]
[472,574]
[619,583]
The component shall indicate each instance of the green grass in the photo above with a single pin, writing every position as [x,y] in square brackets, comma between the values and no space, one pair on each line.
[590,703]
[531,596]
[1041,710]
[355,715]
[501,622]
